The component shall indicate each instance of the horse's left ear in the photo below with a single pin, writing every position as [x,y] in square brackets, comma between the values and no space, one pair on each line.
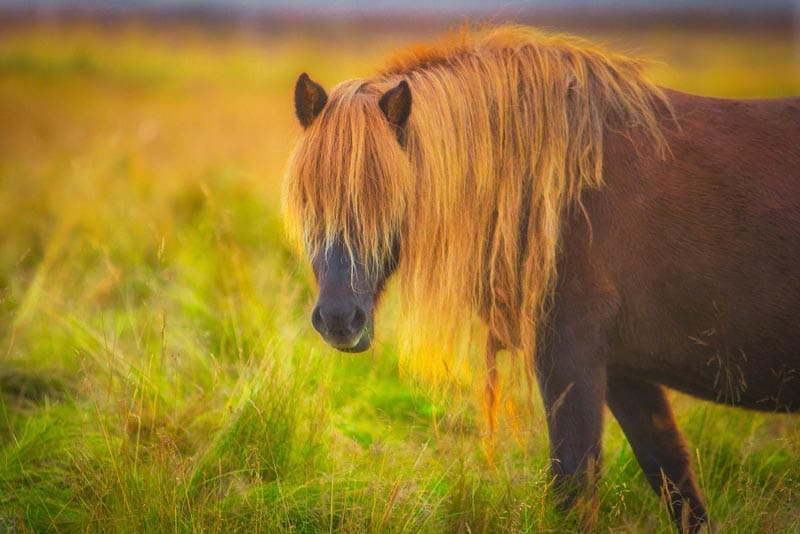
[396,105]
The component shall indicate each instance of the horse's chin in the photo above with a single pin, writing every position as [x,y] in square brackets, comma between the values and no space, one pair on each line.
[361,344]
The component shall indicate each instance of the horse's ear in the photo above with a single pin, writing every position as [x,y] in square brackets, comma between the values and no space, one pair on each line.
[309,99]
[396,105]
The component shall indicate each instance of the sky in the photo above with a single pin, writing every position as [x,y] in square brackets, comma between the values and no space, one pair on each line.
[416,5]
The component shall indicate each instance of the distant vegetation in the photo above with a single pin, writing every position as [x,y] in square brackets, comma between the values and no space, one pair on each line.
[157,367]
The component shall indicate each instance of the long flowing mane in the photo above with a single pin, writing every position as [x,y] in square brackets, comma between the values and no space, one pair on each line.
[506,131]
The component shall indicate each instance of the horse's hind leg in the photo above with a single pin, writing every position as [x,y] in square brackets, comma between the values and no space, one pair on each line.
[645,416]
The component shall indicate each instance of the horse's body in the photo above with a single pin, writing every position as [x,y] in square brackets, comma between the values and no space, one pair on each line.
[676,246]
[700,253]
[689,277]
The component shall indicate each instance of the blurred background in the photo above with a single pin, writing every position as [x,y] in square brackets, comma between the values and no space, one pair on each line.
[158,371]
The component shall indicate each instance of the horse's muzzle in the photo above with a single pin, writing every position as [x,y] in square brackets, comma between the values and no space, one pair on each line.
[345,327]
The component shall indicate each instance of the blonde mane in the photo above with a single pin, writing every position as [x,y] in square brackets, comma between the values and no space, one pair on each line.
[505,132]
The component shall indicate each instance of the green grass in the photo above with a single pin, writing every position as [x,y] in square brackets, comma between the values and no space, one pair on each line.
[157,366]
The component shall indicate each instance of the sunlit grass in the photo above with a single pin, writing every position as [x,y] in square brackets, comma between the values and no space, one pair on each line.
[157,368]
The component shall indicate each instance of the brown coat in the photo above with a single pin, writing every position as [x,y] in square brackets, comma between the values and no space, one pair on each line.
[689,277]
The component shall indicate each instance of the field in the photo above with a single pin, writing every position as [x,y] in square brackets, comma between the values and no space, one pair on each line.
[157,366]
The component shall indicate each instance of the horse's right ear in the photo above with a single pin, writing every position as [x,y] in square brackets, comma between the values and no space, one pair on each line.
[309,99]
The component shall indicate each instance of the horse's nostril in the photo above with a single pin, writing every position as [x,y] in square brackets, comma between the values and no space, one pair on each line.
[317,321]
[358,320]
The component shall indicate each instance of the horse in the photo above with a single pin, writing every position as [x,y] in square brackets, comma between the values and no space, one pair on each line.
[623,237]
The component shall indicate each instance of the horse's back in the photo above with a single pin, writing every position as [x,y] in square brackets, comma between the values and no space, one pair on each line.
[703,248]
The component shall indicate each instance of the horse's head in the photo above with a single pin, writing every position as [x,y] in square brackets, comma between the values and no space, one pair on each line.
[345,193]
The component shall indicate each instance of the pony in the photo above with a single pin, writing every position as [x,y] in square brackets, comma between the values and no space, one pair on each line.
[620,236]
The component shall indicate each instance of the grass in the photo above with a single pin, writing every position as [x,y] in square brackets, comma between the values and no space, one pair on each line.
[157,366]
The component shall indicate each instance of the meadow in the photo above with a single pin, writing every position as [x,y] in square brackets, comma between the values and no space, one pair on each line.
[158,370]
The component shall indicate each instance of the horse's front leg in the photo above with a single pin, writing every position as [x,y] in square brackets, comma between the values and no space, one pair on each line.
[571,373]
[644,414]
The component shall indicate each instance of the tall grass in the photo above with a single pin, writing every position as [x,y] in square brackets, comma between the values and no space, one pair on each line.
[157,368]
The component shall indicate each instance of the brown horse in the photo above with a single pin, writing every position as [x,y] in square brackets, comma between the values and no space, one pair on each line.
[622,236]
